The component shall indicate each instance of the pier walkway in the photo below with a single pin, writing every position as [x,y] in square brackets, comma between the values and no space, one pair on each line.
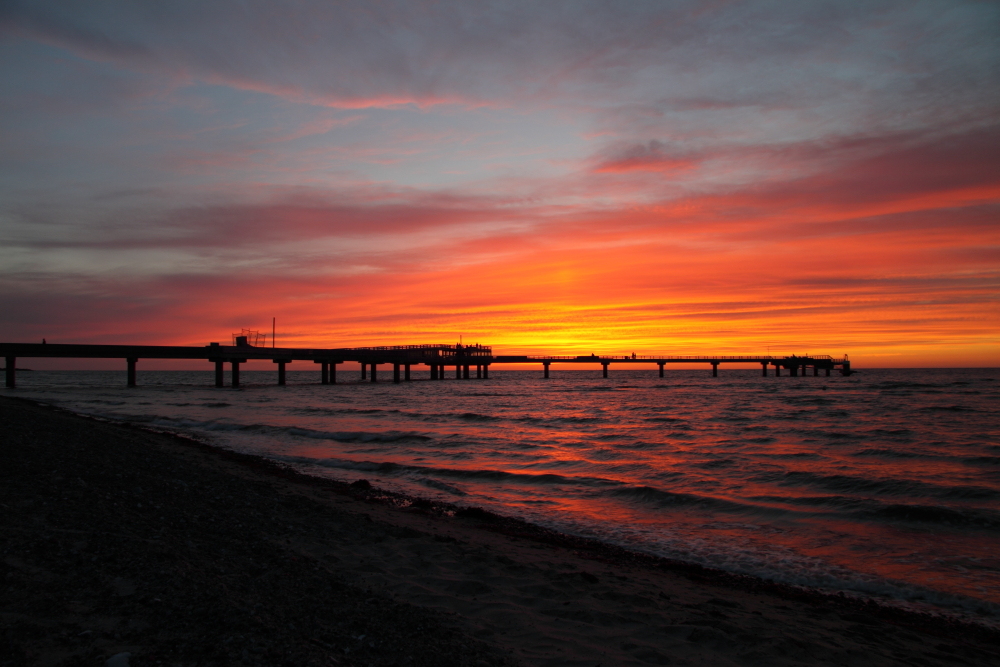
[401,357]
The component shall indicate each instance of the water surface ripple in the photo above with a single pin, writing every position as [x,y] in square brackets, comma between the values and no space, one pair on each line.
[884,484]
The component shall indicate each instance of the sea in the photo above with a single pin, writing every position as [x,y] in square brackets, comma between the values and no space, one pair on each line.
[884,484]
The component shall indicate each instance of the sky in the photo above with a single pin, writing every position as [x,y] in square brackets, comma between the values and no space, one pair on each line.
[561,176]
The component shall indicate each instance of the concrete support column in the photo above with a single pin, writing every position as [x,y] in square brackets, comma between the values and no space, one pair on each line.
[661,365]
[465,372]
[715,369]
[605,365]
[324,372]
[486,371]
[281,373]
[763,366]
[815,371]
[479,371]
[777,371]
[364,371]
[828,371]
[236,373]
[9,381]
[434,371]
[395,373]
[219,366]
[374,370]
[131,371]
[458,371]
[795,370]
[333,372]
[406,373]
[545,364]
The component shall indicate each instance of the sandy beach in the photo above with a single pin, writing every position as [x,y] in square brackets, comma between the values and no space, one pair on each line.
[117,539]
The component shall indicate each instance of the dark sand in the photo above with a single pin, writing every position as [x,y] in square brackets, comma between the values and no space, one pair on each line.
[117,539]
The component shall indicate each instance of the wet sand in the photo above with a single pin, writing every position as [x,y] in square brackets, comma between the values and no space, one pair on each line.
[117,539]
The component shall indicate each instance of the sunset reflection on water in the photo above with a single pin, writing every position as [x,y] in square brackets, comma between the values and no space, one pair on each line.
[882,484]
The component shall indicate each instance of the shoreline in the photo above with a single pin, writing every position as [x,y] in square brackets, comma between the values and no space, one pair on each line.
[694,613]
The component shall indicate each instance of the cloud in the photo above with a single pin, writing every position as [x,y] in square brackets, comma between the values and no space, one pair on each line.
[652,156]
[687,55]
[592,173]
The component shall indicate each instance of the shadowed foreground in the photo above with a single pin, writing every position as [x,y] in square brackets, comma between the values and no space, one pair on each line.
[116,539]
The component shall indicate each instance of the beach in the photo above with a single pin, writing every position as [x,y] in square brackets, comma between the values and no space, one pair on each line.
[118,539]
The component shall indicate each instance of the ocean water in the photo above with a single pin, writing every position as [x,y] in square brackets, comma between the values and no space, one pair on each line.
[885,484]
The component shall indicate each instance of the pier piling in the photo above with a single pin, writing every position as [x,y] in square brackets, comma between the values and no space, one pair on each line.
[131,371]
[236,373]
[546,366]
[281,371]
[219,373]
[395,373]
[9,373]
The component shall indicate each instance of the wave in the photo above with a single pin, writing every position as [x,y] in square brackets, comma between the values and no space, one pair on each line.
[715,463]
[883,486]
[893,433]
[936,514]
[476,417]
[389,467]
[441,486]
[983,460]
[309,410]
[837,435]
[869,509]
[831,502]
[267,429]
[559,420]
[896,384]
[889,453]
[659,498]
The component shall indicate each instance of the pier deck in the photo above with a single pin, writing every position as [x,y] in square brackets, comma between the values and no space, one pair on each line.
[401,357]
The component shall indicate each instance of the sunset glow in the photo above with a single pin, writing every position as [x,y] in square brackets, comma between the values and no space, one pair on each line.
[568,177]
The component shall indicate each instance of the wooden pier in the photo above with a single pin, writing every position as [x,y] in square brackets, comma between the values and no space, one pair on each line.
[401,357]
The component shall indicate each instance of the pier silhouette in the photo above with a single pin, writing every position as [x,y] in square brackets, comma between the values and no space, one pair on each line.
[401,357]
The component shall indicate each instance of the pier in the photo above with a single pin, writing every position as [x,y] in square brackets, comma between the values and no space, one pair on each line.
[465,359]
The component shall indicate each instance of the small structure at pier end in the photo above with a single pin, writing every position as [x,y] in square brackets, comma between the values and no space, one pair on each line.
[401,357]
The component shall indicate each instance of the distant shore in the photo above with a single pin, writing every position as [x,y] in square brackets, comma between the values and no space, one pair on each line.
[117,539]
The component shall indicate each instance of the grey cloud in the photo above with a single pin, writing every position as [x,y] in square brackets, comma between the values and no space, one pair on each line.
[697,53]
